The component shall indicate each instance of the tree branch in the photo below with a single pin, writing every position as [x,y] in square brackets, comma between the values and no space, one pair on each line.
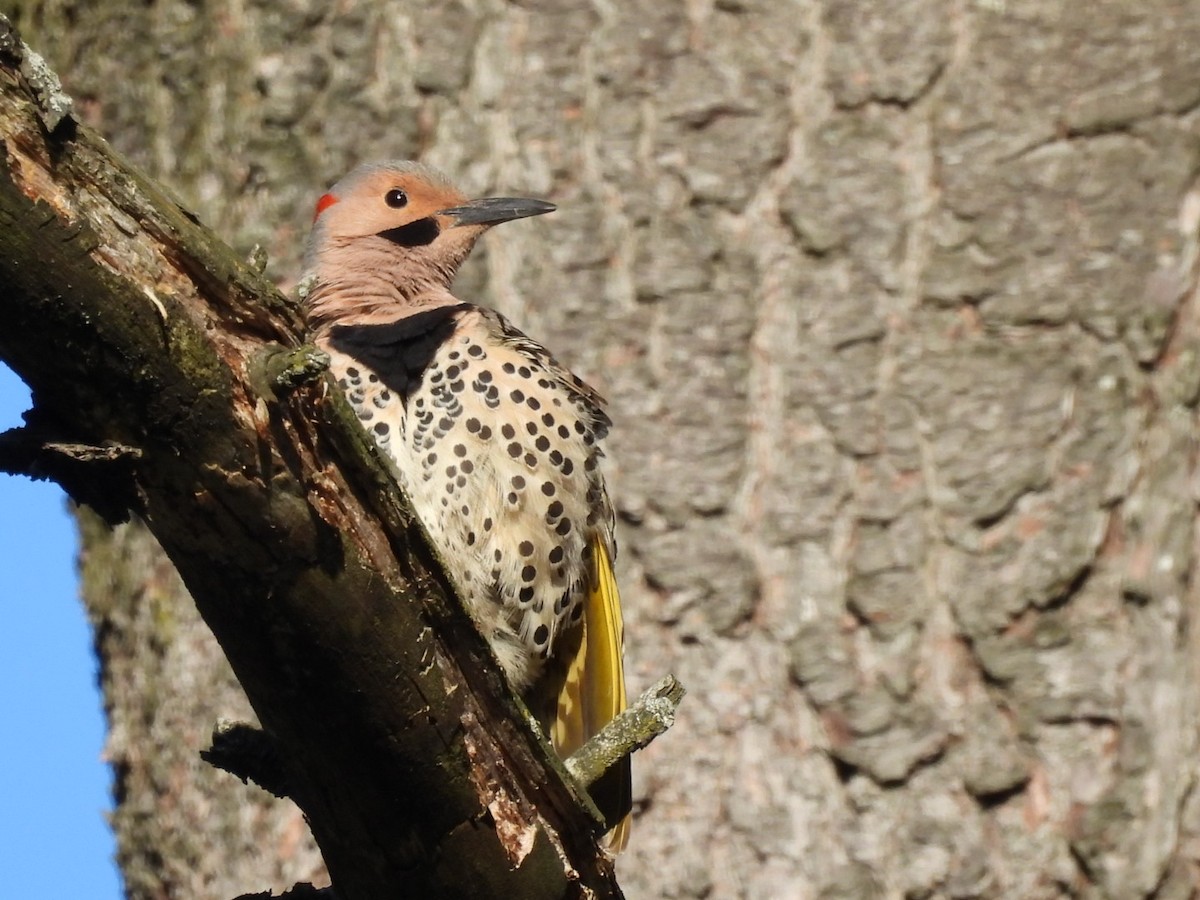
[650,715]
[135,327]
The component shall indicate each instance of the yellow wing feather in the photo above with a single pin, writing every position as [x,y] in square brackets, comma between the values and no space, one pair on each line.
[594,689]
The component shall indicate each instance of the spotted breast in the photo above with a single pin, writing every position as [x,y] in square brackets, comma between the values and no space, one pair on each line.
[498,444]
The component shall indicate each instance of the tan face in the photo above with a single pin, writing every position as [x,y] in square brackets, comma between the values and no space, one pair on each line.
[382,200]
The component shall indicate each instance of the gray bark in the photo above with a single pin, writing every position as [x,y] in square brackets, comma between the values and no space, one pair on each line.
[896,309]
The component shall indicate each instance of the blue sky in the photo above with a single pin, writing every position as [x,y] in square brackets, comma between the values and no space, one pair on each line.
[54,840]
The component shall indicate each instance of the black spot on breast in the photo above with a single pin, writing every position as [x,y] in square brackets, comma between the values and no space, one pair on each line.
[528,573]
[516,396]
[555,509]
[525,548]
[542,443]
[525,595]
[514,449]
[556,555]
[541,635]
[473,425]
[548,488]
[518,481]
[508,431]
[398,352]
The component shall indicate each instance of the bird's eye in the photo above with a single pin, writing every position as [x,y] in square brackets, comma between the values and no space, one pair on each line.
[395,198]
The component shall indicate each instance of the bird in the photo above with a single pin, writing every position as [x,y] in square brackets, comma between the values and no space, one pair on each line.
[496,444]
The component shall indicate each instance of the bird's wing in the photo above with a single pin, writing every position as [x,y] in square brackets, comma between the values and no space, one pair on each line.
[583,395]
[593,688]
[593,692]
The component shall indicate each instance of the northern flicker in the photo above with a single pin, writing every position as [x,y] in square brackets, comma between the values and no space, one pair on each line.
[496,443]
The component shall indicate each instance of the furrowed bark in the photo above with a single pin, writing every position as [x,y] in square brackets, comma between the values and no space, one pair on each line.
[138,329]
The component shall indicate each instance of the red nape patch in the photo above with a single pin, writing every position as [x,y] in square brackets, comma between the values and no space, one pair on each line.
[326,201]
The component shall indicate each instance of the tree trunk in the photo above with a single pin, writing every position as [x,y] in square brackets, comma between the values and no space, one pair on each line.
[896,309]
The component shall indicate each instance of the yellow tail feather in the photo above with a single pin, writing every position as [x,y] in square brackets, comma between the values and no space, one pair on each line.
[594,691]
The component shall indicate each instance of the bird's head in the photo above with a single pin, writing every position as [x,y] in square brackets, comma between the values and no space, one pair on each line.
[403,218]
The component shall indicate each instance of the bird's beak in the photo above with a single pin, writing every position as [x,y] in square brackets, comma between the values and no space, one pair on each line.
[494,210]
